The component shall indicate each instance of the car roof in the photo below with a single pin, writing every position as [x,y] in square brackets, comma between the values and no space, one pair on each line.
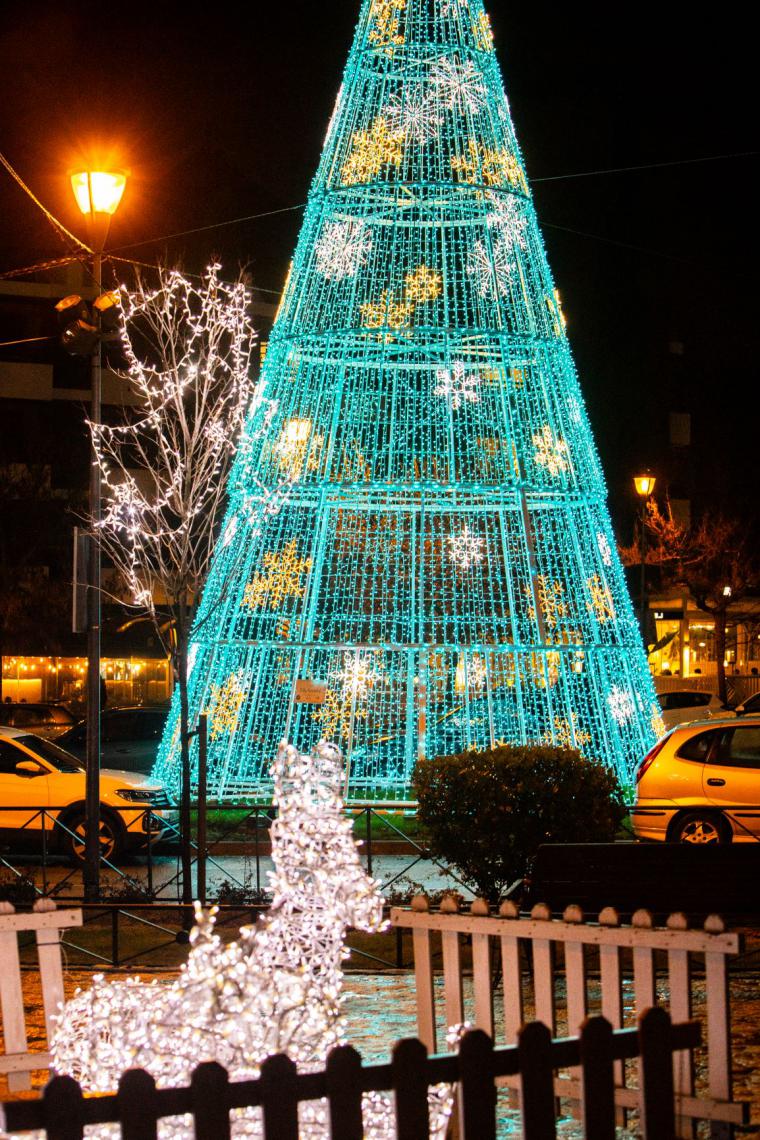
[728,721]
[10,733]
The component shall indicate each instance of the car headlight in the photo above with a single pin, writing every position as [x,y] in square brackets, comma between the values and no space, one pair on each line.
[156,796]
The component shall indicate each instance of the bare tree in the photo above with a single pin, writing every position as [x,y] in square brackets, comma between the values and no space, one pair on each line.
[164,464]
[714,559]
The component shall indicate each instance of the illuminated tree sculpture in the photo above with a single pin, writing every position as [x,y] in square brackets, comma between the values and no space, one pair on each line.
[444,574]
[276,989]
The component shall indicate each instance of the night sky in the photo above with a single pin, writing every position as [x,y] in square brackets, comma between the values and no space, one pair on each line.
[220,115]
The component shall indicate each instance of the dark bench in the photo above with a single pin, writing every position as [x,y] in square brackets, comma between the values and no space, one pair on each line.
[662,877]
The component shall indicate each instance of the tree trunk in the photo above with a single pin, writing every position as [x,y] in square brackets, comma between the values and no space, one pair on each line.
[720,653]
[183,629]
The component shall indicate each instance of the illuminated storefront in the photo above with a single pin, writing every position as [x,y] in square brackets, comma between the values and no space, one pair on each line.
[134,680]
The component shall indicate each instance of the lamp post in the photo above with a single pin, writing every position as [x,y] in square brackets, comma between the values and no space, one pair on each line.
[98,194]
[644,485]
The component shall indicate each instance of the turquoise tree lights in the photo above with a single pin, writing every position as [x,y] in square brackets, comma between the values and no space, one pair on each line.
[417,556]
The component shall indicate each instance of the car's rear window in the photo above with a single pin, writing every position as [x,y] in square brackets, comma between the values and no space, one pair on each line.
[54,755]
[697,747]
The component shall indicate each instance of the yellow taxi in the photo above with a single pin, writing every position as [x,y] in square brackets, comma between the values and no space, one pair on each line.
[48,784]
[701,784]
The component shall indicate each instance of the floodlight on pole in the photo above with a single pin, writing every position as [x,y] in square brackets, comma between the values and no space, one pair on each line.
[98,194]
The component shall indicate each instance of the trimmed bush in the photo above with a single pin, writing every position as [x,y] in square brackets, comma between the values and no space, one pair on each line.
[488,812]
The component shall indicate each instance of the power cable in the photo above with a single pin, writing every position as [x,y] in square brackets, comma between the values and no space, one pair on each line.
[646,166]
[57,226]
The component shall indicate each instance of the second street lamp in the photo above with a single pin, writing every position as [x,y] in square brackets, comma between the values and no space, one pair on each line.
[644,486]
[98,194]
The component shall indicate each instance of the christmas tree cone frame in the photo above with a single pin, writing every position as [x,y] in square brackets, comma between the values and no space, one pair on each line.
[417,556]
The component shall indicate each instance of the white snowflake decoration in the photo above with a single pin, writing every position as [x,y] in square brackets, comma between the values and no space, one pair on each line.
[620,704]
[551,451]
[491,271]
[276,989]
[358,675]
[573,409]
[508,220]
[604,548]
[459,86]
[466,548]
[413,114]
[342,249]
[456,385]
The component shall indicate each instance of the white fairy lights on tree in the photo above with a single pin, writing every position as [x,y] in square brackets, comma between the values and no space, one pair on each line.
[277,989]
[164,464]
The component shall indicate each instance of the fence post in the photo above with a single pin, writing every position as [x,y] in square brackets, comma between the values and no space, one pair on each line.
[477,1111]
[202,796]
[409,1064]
[718,1026]
[279,1098]
[534,1046]
[138,1109]
[63,1109]
[598,1079]
[423,977]
[344,1090]
[657,1116]
[209,1084]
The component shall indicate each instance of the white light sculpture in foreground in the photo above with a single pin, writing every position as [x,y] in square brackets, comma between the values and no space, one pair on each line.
[275,990]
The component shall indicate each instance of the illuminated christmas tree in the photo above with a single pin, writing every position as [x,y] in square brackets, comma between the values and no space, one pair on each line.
[442,572]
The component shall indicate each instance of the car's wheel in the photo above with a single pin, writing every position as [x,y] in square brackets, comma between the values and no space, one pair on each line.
[74,837]
[700,827]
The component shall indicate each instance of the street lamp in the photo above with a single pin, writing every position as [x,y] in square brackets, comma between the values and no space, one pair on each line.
[98,194]
[644,486]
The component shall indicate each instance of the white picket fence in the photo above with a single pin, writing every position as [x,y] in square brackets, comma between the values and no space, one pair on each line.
[46,922]
[596,947]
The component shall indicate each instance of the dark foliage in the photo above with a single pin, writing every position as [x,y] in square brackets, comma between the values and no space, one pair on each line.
[488,812]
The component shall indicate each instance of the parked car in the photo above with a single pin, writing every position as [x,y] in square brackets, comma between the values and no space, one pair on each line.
[751,705]
[701,784]
[37,773]
[48,721]
[129,737]
[682,705]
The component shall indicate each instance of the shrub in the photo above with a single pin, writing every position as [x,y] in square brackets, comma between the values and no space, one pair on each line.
[488,812]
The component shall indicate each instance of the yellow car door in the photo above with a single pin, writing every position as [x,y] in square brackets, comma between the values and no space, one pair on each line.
[731,778]
[18,790]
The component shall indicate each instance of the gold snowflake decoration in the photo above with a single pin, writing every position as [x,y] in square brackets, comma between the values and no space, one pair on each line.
[282,579]
[549,600]
[297,450]
[387,312]
[566,733]
[492,167]
[344,705]
[423,285]
[385,33]
[601,602]
[481,30]
[225,704]
[551,451]
[372,150]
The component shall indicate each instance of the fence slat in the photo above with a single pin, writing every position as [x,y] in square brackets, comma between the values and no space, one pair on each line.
[452,978]
[478,1091]
[138,1110]
[543,970]
[481,972]
[598,1080]
[63,1109]
[423,978]
[513,990]
[537,1078]
[718,1027]
[657,1117]
[279,1098]
[344,1089]
[51,975]
[12,1005]
[410,1084]
[209,1084]
[643,966]
[679,986]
